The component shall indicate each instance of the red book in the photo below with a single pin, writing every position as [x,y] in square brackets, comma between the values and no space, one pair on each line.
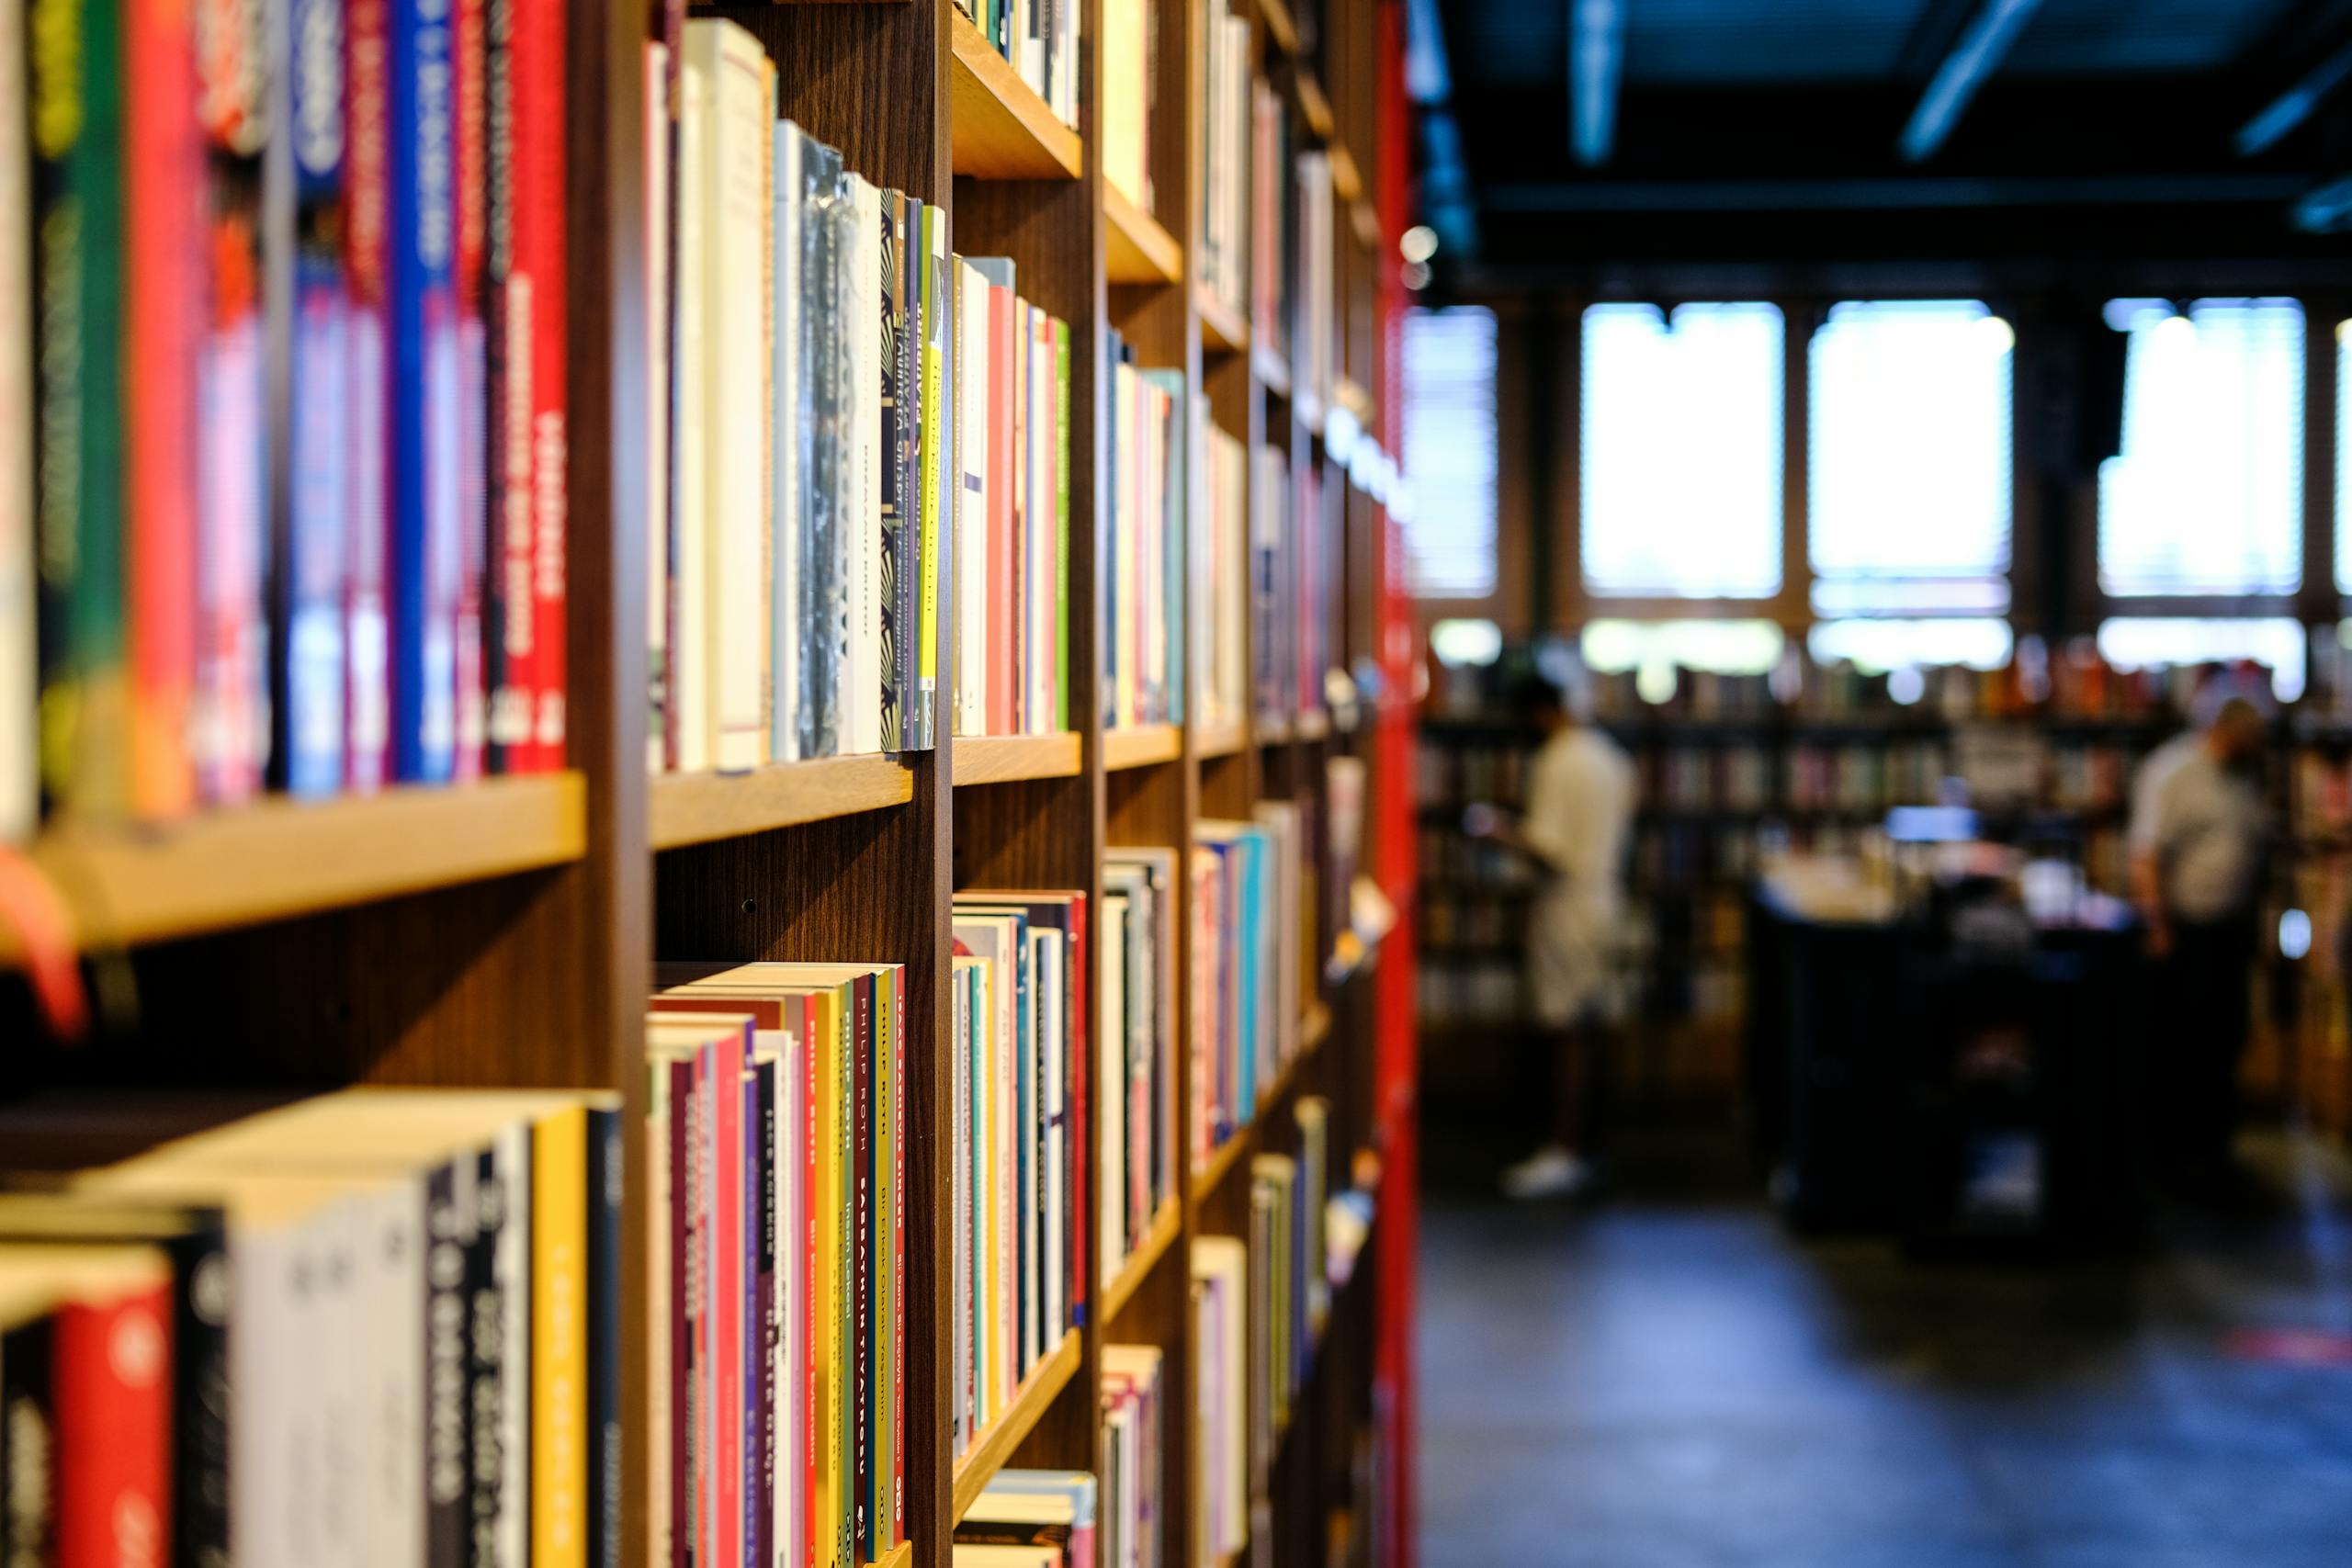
[367,187]
[469,41]
[162,335]
[727,1305]
[537,74]
[112,1378]
[805,1363]
[1000,578]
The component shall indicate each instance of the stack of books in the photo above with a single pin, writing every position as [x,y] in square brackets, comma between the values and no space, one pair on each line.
[1224,1458]
[379,1324]
[1220,585]
[1143,656]
[1223,265]
[1019,995]
[776,1255]
[1136,1044]
[1031,1518]
[1249,899]
[1130,49]
[283,480]
[1041,40]
[1134,1429]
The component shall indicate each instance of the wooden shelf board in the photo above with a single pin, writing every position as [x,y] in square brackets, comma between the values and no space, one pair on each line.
[899,1556]
[1274,729]
[1165,1226]
[1141,746]
[1314,105]
[1313,1029]
[1270,369]
[1001,759]
[1346,183]
[278,858]
[1220,740]
[1280,28]
[999,128]
[698,808]
[1366,222]
[1210,1175]
[1136,248]
[1224,329]
[1030,1401]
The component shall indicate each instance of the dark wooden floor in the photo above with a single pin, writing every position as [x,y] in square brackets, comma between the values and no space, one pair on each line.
[1668,1380]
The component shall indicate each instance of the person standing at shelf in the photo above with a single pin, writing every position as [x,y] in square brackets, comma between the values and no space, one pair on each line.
[2198,834]
[1580,796]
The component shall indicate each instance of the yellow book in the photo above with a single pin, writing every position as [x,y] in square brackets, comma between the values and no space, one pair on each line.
[558,1339]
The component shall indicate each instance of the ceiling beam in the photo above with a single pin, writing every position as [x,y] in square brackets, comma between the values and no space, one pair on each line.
[1975,55]
[1596,66]
[2296,105]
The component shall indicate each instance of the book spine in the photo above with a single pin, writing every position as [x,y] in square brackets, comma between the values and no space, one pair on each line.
[1002,598]
[470,35]
[842,1327]
[509,653]
[448,1232]
[725,1309]
[19,656]
[308,294]
[537,300]
[559,1354]
[735,523]
[892,625]
[683,1174]
[162,317]
[809,1356]
[658,216]
[423,391]
[769,1298]
[861,1102]
[937,470]
[229,723]
[750,1523]
[200,1418]
[604,1337]
[898,1341]
[908,346]
[27,1441]
[368,240]
[786,405]
[485,1371]
[1061,525]
[112,1372]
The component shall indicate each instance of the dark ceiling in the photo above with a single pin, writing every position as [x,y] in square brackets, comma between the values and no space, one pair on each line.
[1771,131]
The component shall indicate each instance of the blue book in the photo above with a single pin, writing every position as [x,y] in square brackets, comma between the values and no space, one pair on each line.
[424,397]
[1250,884]
[313,560]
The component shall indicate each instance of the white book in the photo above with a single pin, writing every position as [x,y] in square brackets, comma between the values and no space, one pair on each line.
[511,1266]
[1044,512]
[275,1413]
[657,401]
[390,1298]
[692,713]
[861,691]
[739,227]
[971,564]
[787,522]
[1111,1079]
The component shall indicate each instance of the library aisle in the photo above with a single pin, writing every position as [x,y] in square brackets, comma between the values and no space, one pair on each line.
[1671,1380]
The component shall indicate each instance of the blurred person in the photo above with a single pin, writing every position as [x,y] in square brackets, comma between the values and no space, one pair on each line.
[2197,835]
[1580,797]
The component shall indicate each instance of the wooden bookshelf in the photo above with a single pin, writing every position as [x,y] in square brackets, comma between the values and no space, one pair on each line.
[1220,740]
[1281,31]
[1273,372]
[280,859]
[1002,1435]
[899,1556]
[1000,130]
[1314,106]
[1141,746]
[1223,329]
[1347,184]
[1008,758]
[700,809]
[1140,249]
[1166,1227]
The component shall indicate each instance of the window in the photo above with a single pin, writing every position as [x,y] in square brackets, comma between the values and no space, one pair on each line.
[2142,642]
[1654,650]
[2207,496]
[1910,459]
[1450,452]
[1682,451]
[1881,645]
[2342,457]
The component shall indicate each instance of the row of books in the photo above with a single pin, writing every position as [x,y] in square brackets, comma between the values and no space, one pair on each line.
[1225,263]
[1143,664]
[1038,1518]
[1273,229]
[1135,1428]
[281,482]
[379,1326]
[892,400]
[1020,978]
[776,1133]
[1251,961]
[1222,574]
[1137,1045]
[1041,38]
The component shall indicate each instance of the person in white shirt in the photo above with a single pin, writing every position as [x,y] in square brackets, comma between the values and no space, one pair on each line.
[2198,836]
[1580,797]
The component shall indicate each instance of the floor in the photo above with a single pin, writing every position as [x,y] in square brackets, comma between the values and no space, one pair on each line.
[1668,1380]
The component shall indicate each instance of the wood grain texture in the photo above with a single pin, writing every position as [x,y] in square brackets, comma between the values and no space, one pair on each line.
[1223,329]
[1140,251]
[1219,739]
[997,1441]
[1002,130]
[1140,746]
[1001,759]
[1166,1230]
[694,809]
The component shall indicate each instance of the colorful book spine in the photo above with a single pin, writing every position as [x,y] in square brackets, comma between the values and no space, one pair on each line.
[470,32]
[308,684]
[423,390]
[894,625]
[368,229]
[558,1340]
[20,650]
[112,1383]
[938,470]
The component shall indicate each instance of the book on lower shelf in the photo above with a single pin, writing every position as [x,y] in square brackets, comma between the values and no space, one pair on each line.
[379,1322]
[776,1259]
[1134,1435]
[1249,895]
[1033,1518]
[1136,1044]
[1220,600]
[1019,1263]
[1040,40]
[1224,1462]
[1143,572]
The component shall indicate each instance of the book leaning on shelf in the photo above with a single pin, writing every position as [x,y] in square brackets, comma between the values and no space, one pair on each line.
[840,401]
[1019,979]
[1040,37]
[294,518]
[1143,662]
[1135,1428]
[1224,1464]
[1248,897]
[1220,599]
[1136,1044]
[380,1323]
[776,1137]
[1033,1518]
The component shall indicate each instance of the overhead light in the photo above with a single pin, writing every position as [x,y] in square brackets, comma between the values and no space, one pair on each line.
[1414,275]
[2175,329]
[1998,335]
[1418,243]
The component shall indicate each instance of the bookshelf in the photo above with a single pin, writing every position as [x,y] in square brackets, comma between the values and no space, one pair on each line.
[500,933]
